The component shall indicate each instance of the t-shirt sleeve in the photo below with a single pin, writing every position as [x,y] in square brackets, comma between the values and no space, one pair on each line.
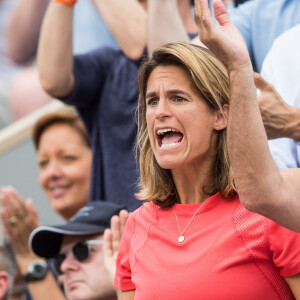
[90,71]
[285,249]
[123,280]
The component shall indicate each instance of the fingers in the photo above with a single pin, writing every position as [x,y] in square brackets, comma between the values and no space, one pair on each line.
[32,212]
[260,82]
[12,203]
[203,17]
[107,243]
[123,219]
[117,226]
[221,13]
[116,233]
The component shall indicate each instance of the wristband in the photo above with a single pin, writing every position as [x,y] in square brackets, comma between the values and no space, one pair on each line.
[66,2]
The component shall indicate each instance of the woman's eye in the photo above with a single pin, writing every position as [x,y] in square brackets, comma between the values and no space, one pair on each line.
[179,99]
[43,163]
[69,157]
[152,102]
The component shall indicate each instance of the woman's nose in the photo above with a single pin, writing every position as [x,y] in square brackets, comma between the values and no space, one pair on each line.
[53,170]
[163,109]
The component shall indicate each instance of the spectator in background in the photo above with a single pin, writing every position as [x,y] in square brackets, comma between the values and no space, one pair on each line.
[238,2]
[282,116]
[64,156]
[76,248]
[21,46]
[261,21]
[7,70]
[261,187]
[7,267]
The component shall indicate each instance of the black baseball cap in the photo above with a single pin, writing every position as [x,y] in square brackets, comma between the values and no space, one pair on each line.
[94,218]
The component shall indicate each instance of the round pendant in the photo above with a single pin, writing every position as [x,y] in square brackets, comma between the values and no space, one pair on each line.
[181,239]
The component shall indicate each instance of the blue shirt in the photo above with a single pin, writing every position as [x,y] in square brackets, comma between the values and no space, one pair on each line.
[105,95]
[261,21]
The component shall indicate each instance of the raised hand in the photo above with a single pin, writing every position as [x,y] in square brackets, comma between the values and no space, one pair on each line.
[19,218]
[225,41]
[112,238]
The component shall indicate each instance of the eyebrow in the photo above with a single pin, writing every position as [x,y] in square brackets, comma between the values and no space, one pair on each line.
[170,92]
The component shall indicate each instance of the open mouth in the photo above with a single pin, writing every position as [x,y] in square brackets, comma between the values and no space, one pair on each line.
[168,137]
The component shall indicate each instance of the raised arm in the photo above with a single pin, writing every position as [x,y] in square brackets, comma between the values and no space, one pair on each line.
[23,30]
[261,187]
[127,20]
[165,23]
[55,51]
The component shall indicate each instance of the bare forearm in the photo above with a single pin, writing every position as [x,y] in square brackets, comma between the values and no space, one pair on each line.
[164,24]
[247,142]
[55,57]
[23,30]
[260,185]
[127,20]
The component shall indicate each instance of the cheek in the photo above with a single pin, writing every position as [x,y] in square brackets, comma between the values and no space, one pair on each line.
[149,121]
[79,173]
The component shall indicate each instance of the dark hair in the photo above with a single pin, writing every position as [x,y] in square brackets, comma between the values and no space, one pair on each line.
[65,117]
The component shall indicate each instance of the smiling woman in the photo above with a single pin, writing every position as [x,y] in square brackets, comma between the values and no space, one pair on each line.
[64,156]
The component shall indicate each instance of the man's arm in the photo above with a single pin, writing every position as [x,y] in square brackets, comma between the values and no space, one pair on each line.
[164,24]
[23,30]
[261,187]
[279,118]
[127,20]
[55,50]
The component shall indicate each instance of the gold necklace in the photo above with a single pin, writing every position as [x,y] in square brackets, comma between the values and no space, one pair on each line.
[181,237]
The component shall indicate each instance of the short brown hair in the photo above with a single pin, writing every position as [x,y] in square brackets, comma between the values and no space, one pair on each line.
[70,118]
[210,78]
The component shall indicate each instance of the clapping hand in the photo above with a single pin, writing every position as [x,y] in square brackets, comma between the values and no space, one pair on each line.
[19,218]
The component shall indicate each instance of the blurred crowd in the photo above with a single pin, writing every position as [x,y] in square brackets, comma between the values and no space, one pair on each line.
[130,71]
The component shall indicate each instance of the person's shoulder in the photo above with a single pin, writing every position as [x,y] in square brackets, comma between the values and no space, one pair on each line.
[146,207]
[146,212]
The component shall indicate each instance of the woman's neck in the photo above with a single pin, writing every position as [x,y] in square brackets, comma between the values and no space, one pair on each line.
[192,182]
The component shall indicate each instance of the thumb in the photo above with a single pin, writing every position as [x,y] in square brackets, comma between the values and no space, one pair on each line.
[260,83]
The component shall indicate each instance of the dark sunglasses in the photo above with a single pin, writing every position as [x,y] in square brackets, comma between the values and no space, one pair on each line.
[81,252]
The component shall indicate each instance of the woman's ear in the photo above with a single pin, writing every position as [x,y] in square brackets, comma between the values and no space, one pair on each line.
[222,117]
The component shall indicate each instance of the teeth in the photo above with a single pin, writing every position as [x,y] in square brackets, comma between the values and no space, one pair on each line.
[164,131]
[169,145]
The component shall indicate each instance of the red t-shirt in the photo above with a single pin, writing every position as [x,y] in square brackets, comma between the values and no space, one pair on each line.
[228,253]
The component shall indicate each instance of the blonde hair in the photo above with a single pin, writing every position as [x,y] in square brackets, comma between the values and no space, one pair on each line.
[210,78]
